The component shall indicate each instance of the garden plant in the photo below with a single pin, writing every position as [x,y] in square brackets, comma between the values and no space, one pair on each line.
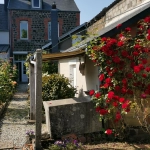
[8,77]
[124,66]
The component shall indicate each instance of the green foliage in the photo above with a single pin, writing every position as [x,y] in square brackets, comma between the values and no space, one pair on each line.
[56,86]
[50,67]
[8,76]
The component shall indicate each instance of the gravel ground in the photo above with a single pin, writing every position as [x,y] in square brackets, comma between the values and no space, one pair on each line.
[13,125]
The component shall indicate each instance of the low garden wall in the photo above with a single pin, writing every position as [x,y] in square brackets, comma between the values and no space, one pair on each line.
[74,115]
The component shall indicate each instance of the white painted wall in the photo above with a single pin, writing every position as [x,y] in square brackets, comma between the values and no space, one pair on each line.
[83,82]
[4,37]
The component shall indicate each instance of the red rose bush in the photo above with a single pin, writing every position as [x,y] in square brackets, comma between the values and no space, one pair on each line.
[124,71]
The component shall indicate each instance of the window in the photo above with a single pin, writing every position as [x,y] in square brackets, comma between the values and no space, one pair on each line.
[49,30]
[24,30]
[36,3]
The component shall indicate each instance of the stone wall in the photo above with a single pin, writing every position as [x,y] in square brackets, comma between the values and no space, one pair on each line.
[38,27]
[120,8]
[71,116]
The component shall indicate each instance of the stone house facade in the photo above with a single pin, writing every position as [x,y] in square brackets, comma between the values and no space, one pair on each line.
[31,27]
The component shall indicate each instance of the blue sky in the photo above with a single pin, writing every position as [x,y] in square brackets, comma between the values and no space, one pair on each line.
[88,8]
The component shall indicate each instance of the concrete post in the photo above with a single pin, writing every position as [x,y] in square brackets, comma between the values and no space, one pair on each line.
[38,98]
[32,91]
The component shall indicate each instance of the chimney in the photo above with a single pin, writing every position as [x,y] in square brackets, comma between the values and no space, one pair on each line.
[54,28]
[5,4]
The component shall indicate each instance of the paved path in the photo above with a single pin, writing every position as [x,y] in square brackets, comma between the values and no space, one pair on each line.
[13,125]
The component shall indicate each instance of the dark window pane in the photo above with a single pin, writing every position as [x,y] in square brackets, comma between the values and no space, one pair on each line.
[36,3]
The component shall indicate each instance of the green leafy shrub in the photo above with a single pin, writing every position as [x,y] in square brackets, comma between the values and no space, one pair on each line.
[50,67]
[8,75]
[56,86]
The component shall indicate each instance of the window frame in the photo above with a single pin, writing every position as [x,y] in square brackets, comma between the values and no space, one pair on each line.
[21,30]
[33,4]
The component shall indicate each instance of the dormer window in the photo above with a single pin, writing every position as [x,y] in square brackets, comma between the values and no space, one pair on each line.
[36,3]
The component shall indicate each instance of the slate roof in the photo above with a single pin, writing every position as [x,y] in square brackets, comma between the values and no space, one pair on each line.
[4,48]
[3,19]
[62,5]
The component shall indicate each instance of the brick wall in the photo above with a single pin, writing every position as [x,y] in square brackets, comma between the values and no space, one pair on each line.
[38,27]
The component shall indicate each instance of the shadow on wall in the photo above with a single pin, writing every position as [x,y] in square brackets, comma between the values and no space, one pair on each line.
[91,73]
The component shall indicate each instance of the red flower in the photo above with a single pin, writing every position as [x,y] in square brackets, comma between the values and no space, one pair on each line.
[108,80]
[104,39]
[97,95]
[103,111]
[147,69]
[118,26]
[118,116]
[147,19]
[116,59]
[148,37]
[148,31]
[137,69]
[135,53]
[137,46]
[117,88]
[144,61]
[91,92]
[144,75]
[120,43]
[124,81]
[124,53]
[141,66]
[128,29]
[123,90]
[106,85]
[125,105]
[101,77]
[108,131]
[115,104]
[121,100]
[110,95]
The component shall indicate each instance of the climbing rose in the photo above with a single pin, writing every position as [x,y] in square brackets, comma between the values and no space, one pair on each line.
[118,26]
[108,80]
[128,29]
[126,104]
[144,75]
[118,116]
[121,100]
[124,53]
[97,95]
[147,19]
[120,43]
[108,131]
[91,93]
[101,77]
[116,59]
[103,111]
[110,94]
[137,69]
